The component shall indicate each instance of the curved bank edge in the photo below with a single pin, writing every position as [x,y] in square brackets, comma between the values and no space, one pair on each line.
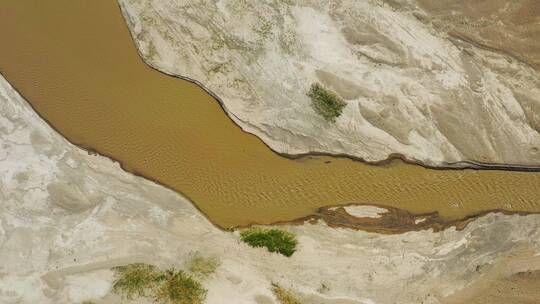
[464,164]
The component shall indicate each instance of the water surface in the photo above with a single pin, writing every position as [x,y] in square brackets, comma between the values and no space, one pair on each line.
[74,61]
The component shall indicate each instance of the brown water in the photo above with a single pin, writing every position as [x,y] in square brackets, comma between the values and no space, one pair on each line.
[75,62]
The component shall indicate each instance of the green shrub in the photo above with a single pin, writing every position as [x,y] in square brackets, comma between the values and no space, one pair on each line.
[202,265]
[274,240]
[171,286]
[135,279]
[179,288]
[327,103]
[283,295]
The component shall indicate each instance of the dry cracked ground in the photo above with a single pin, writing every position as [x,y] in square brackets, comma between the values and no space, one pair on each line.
[416,78]
[436,82]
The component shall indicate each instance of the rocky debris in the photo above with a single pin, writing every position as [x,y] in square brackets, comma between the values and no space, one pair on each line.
[67,217]
[411,87]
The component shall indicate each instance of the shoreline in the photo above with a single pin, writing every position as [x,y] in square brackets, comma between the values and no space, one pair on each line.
[325,214]
[460,165]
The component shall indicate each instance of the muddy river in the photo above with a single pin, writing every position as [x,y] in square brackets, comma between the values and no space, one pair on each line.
[75,62]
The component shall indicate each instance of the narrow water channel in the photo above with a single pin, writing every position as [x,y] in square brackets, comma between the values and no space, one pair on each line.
[74,61]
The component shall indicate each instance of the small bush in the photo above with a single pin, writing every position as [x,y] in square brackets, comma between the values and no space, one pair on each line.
[327,103]
[135,279]
[179,288]
[274,240]
[202,265]
[284,296]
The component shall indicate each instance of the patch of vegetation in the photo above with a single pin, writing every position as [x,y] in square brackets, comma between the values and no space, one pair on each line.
[134,280]
[151,50]
[274,240]
[327,103]
[171,286]
[265,28]
[179,288]
[283,295]
[203,266]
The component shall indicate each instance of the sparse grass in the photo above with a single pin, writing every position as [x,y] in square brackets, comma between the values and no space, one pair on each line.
[283,295]
[151,50]
[274,240]
[203,266]
[171,286]
[134,280]
[327,103]
[179,288]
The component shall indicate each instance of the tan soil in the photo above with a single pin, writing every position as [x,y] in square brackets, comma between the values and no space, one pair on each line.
[511,27]
[515,280]
[519,288]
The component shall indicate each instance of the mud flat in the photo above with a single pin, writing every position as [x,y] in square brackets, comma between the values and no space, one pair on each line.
[75,62]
